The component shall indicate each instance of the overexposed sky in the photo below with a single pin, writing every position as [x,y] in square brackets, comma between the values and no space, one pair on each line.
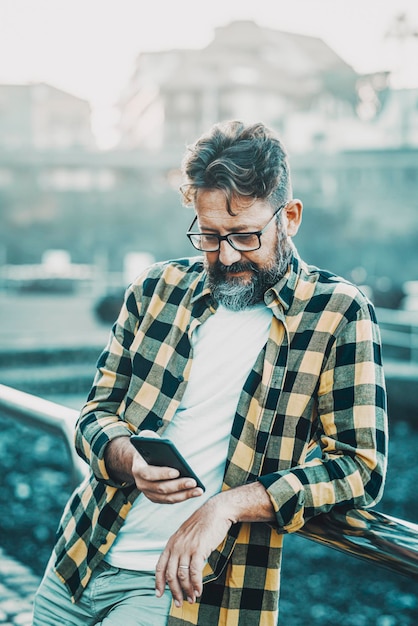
[88,47]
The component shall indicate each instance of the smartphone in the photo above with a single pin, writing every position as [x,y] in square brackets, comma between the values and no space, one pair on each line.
[163,452]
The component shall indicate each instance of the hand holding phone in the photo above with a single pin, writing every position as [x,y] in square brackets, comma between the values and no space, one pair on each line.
[163,453]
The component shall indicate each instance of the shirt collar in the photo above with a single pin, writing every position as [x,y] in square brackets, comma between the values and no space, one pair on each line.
[284,289]
[202,288]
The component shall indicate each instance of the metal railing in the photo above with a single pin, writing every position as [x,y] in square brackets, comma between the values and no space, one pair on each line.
[367,534]
[48,416]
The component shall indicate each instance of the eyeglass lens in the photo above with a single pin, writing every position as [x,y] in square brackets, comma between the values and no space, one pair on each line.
[240,241]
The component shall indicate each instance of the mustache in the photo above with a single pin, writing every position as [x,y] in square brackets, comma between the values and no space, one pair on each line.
[221,270]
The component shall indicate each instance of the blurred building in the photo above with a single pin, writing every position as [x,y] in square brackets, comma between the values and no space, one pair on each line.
[397,123]
[39,116]
[294,83]
[352,140]
[247,72]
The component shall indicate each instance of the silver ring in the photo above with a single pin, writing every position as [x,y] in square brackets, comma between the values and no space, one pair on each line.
[184,567]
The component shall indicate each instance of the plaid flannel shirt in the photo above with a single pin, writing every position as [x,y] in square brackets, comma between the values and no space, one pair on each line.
[317,381]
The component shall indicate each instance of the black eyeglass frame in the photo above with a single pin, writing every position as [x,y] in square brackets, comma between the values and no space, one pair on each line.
[220,238]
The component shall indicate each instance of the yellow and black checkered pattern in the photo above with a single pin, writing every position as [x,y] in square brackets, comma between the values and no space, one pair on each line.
[317,382]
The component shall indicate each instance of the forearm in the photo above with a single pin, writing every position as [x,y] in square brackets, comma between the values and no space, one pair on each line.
[118,458]
[248,503]
[305,491]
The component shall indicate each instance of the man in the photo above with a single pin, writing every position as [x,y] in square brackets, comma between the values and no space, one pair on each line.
[247,359]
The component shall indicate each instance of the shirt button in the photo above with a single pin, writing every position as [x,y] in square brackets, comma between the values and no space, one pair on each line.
[160,423]
[180,378]
[103,541]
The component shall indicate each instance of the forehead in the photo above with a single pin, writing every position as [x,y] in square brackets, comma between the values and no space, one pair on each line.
[212,209]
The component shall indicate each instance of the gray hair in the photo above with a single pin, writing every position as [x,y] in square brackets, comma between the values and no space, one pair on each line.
[241,161]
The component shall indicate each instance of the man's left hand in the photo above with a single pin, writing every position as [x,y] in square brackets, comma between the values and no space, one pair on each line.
[181,563]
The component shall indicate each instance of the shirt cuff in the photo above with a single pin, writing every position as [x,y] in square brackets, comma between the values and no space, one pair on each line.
[287,494]
[98,446]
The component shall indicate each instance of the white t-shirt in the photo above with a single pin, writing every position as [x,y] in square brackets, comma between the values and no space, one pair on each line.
[225,349]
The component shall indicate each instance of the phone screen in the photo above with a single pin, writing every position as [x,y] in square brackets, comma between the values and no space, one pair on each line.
[163,453]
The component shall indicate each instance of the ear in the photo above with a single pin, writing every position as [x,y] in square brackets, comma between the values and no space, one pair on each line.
[293,216]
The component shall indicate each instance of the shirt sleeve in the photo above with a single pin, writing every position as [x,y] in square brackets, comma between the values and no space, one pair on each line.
[100,419]
[351,432]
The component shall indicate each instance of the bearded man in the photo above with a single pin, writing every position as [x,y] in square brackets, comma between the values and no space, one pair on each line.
[247,359]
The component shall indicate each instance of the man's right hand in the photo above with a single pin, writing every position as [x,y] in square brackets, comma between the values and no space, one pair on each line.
[159,484]
[162,484]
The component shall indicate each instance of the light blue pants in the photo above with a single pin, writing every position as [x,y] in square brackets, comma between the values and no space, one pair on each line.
[113,597]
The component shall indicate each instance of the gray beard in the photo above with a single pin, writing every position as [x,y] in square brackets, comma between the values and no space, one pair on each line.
[236,295]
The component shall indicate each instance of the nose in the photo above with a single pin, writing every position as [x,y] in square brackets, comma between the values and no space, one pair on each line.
[227,254]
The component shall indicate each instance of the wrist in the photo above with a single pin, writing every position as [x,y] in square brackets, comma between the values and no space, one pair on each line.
[223,506]
[248,503]
[118,458]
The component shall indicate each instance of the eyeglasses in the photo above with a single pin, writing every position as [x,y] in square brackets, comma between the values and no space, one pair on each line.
[243,242]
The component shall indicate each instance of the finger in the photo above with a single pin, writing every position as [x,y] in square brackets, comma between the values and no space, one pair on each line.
[196,569]
[156,473]
[165,496]
[166,573]
[160,574]
[164,485]
[178,580]
[153,485]
[184,578]
[190,577]
[166,480]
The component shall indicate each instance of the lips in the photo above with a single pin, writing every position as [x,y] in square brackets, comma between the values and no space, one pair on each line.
[235,268]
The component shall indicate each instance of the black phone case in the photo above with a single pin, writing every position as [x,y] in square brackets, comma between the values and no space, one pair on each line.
[163,453]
